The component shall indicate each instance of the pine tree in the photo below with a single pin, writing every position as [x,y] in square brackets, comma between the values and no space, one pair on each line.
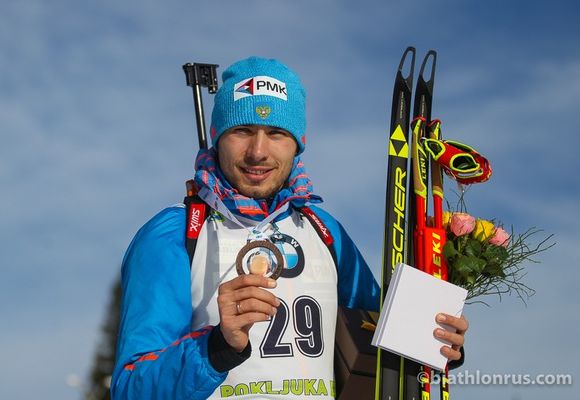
[104,359]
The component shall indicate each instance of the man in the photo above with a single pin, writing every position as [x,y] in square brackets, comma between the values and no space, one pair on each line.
[212,328]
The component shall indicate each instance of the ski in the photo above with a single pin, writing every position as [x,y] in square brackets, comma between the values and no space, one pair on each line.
[391,367]
[422,104]
[428,240]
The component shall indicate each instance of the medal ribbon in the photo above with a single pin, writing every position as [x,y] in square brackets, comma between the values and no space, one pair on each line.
[257,231]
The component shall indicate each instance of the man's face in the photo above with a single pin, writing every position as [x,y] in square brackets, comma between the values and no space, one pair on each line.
[256,159]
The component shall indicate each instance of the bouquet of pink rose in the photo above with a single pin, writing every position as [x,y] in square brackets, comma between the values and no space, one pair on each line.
[484,259]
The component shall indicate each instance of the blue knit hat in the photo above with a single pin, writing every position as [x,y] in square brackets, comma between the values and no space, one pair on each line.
[258,91]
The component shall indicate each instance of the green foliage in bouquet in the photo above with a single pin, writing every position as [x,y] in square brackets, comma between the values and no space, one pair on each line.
[486,260]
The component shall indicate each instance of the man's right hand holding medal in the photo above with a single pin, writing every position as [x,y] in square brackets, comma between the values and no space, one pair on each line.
[242,302]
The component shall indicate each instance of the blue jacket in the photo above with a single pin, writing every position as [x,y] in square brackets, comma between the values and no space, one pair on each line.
[158,357]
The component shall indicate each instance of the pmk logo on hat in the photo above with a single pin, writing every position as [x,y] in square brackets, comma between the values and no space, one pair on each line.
[260,85]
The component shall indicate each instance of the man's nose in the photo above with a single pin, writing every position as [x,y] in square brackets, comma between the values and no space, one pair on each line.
[258,146]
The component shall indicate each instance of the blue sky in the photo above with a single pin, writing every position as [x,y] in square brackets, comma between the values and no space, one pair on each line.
[98,135]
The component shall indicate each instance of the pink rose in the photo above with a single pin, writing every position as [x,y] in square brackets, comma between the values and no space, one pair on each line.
[461,224]
[500,238]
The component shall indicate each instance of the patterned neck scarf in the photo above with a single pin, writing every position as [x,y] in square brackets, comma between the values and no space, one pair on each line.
[297,191]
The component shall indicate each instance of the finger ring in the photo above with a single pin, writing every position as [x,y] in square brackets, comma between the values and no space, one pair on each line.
[238,308]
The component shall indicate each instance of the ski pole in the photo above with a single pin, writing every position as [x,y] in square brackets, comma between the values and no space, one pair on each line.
[419,163]
[439,266]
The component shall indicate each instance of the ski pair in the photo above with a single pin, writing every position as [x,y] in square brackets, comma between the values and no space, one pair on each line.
[407,238]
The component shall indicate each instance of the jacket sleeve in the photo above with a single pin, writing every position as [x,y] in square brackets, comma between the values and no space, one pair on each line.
[357,287]
[158,357]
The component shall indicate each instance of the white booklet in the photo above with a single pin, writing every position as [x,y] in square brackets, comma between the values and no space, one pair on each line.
[407,319]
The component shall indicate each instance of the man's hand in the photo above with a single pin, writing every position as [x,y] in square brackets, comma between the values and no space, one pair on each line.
[241,303]
[455,338]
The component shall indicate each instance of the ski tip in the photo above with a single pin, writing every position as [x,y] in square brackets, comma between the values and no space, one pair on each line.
[404,60]
[430,59]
